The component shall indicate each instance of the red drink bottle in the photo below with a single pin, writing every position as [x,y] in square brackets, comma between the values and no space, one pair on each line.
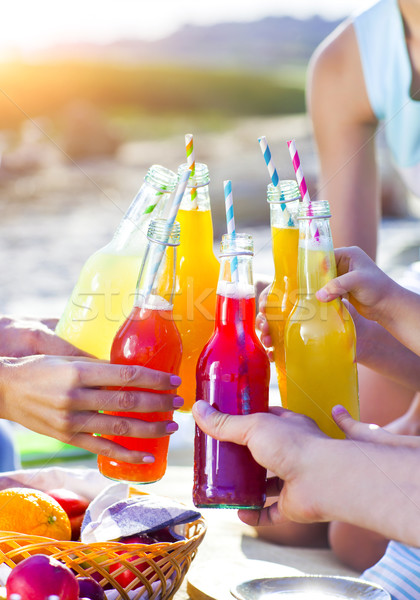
[149,338]
[233,375]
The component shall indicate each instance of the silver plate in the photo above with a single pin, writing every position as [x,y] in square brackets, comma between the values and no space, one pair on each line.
[308,587]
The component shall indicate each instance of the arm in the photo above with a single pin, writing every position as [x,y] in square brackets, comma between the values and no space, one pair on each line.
[344,127]
[375,296]
[372,485]
[61,396]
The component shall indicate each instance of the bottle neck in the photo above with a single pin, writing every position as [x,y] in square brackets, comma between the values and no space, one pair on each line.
[235,308]
[131,234]
[196,198]
[156,282]
[316,262]
[283,215]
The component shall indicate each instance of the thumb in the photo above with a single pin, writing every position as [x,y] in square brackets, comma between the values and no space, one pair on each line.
[340,286]
[218,425]
[355,430]
[49,343]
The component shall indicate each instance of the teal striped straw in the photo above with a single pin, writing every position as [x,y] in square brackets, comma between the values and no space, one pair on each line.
[230,221]
[272,171]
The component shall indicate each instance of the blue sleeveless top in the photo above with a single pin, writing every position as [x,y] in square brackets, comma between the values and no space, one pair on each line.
[387,73]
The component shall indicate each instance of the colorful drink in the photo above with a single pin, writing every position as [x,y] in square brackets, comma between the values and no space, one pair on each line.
[233,376]
[283,200]
[197,273]
[104,294]
[320,338]
[149,338]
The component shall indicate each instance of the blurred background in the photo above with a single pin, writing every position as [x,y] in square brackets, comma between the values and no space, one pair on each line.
[93,93]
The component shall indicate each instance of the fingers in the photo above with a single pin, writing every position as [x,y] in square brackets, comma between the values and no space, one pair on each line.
[219,425]
[95,374]
[105,447]
[121,425]
[262,326]
[274,486]
[122,400]
[269,515]
[355,430]
[338,287]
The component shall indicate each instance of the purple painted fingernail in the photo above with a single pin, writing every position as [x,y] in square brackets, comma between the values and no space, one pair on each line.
[339,410]
[171,427]
[175,380]
[177,402]
[149,459]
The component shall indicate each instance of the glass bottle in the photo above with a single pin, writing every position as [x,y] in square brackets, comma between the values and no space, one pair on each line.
[233,375]
[320,338]
[283,200]
[104,293]
[149,338]
[197,273]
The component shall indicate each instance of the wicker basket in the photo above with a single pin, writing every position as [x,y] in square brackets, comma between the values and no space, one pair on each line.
[161,566]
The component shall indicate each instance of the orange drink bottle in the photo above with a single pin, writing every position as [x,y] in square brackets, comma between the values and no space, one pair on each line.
[104,293]
[150,338]
[283,200]
[320,337]
[197,272]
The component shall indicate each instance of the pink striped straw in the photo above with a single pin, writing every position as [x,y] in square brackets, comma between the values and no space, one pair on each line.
[298,171]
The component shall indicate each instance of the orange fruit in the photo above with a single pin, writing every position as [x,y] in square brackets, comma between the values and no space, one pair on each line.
[33,512]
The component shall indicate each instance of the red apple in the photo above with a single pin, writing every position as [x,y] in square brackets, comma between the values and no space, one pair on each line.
[40,576]
[167,534]
[89,588]
[74,504]
[126,577]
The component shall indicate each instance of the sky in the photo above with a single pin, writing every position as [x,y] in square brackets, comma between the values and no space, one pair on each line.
[27,25]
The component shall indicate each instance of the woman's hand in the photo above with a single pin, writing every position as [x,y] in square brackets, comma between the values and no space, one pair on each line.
[61,396]
[26,337]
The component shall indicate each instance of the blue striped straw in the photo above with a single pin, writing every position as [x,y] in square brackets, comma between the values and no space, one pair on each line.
[159,250]
[272,171]
[268,160]
[230,221]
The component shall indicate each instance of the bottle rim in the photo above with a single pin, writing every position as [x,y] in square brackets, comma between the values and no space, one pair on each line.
[315,209]
[158,233]
[161,179]
[201,177]
[287,190]
[237,244]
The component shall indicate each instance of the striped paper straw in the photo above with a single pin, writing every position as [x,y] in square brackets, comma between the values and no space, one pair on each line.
[298,171]
[273,175]
[189,145]
[159,249]
[268,160]
[230,221]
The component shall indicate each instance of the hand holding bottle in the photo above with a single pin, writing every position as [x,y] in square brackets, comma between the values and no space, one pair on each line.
[374,295]
[61,396]
[262,325]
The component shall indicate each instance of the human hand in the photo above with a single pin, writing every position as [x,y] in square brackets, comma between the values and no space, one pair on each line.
[366,286]
[281,441]
[261,323]
[61,396]
[26,337]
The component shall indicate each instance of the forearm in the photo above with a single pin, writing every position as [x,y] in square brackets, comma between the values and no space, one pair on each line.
[387,356]
[400,315]
[370,485]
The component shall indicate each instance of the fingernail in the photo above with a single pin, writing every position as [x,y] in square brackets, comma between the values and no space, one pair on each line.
[149,459]
[175,380]
[322,295]
[178,402]
[203,408]
[171,427]
[339,410]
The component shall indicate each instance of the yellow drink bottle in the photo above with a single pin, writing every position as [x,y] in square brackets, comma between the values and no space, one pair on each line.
[320,338]
[283,200]
[197,274]
[104,294]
